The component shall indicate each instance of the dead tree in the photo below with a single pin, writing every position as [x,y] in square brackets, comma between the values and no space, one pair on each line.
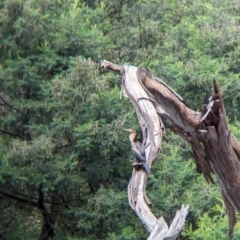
[214,147]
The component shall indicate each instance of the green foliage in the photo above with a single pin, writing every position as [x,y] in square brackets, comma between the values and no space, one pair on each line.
[10,225]
[185,43]
[175,181]
[211,227]
[61,119]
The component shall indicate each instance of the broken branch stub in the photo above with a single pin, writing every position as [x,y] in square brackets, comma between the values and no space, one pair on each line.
[152,129]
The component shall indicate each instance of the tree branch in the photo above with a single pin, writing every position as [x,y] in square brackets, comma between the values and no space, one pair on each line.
[104,64]
[8,105]
[215,149]
[10,133]
[147,109]
[19,198]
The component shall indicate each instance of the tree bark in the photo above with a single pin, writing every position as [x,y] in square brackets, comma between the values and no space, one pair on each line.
[214,147]
[152,131]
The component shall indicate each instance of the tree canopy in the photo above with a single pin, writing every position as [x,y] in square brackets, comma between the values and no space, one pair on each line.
[63,154]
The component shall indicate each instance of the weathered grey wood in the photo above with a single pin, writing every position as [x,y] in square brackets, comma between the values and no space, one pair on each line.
[215,149]
[163,232]
[152,137]
[147,110]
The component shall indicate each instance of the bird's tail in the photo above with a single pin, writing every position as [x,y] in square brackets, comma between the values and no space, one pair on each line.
[147,169]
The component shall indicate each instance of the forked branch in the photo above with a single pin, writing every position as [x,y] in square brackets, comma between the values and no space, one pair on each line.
[215,149]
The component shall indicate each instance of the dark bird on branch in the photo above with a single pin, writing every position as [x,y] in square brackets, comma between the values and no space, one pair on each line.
[138,149]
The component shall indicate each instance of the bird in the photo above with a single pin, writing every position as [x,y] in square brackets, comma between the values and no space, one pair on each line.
[137,149]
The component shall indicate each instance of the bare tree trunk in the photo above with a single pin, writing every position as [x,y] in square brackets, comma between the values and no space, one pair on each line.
[49,217]
[214,147]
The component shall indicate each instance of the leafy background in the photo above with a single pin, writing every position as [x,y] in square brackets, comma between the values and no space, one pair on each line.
[61,118]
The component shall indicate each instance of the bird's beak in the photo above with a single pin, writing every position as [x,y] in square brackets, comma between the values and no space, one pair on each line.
[125,129]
